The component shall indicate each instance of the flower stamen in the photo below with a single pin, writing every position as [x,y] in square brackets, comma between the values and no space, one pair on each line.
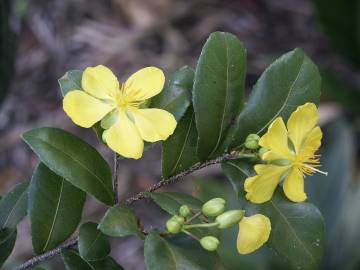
[312,168]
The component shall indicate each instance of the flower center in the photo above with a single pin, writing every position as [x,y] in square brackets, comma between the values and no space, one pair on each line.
[125,100]
[308,165]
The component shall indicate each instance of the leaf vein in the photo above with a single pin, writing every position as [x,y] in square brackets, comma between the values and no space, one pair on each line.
[55,216]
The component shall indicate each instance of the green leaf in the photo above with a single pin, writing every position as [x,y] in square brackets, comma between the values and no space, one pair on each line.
[290,81]
[237,171]
[13,206]
[93,244]
[7,243]
[106,264]
[70,81]
[176,96]
[161,254]
[179,151]
[171,201]
[120,220]
[55,208]
[73,159]
[218,91]
[73,261]
[297,231]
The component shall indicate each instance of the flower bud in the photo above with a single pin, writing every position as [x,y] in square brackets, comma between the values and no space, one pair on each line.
[252,141]
[174,224]
[184,211]
[209,243]
[262,151]
[214,207]
[178,219]
[229,218]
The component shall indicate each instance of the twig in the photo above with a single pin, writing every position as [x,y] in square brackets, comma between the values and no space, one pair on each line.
[139,196]
[191,235]
[115,179]
[47,255]
[179,176]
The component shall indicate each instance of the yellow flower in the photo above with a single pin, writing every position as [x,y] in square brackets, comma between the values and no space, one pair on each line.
[254,231]
[117,106]
[291,155]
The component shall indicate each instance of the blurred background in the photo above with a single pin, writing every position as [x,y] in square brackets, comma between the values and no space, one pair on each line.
[40,40]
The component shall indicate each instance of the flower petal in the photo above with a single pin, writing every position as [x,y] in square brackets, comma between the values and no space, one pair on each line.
[100,82]
[154,124]
[311,144]
[145,83]
[254,231]
[276,140]
[294,186]
[261,187]
[301,122]
[124,138]
[84,109]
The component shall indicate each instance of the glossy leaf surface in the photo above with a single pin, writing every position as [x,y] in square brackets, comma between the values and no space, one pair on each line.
[290,81]
[55,208]
[176,95]
[120,220]
[179,151]
[13,207]
[171,201]
[93,244]
[218,91]
[73,159]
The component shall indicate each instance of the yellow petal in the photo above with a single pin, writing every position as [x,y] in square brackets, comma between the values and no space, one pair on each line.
[261,187]
[301,122]
[145,83]
[311,144]
[100,82]
[84,109]
[154,124]
[124,138]
[294,186]
[276,140]
[254,231]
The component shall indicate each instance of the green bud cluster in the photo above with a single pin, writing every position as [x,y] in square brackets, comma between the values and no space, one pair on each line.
[185,211]
[252,141]
[174,224]
[212,215]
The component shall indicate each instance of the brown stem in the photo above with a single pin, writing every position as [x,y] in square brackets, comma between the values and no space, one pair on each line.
[139,196]
[115,178]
